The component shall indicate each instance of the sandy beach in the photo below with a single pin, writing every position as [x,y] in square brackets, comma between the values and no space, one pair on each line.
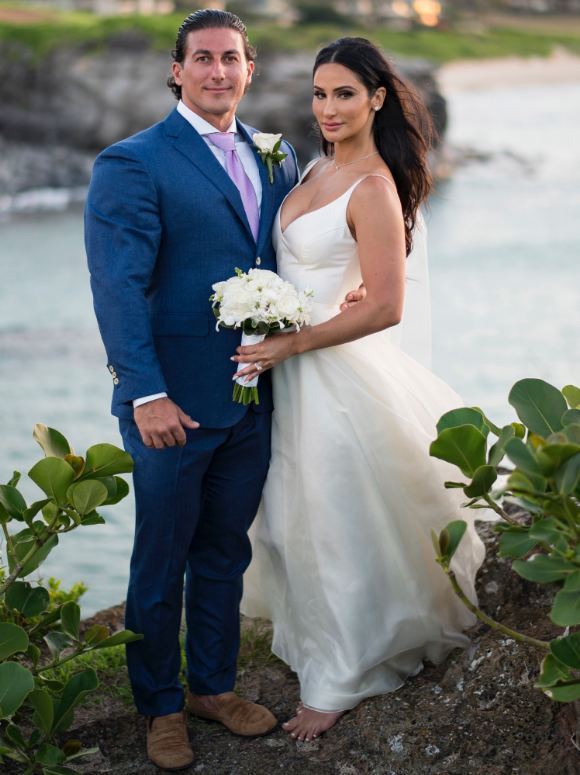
[488,74]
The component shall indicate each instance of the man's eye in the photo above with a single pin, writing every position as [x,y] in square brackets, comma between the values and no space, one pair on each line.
[202,58]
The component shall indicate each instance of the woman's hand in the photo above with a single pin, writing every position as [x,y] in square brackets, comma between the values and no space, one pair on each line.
[269,353]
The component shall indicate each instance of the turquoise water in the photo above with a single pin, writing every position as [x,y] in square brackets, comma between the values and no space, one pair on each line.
[504,254]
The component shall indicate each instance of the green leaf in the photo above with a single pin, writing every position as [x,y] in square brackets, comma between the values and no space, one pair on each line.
[548,531]
[522,456]
[515,542]
[571,416]
[567,650]
[96,633]
[519,430]
[82,752]
[29,600]
[572,432]
[482,482]
[118,489]
[497,451]
[107,460]
[450,538]
[463,416]
[56,642]
[33,653]
[539,405]
[12,639]
[75,689]
[552,671]
[92,518]
[16,683]
[53,443]
[572,396]
[464,446]
[566,607]
[568,476]
[86,496]
[54,476]
[521,483]
[121,637]
[70,616]
[544,569]
[22,548]
[568,693]
[12,501]
[16,475]
[34,508]
[14,734]
[43,705]
[49,755]
[77,463]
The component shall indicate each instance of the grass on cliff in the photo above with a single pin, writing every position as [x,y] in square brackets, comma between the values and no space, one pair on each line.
[41,30]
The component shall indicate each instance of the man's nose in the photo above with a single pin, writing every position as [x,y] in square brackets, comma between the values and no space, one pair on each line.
[218,71]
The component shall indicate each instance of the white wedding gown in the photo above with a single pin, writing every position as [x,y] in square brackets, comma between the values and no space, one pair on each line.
[343,560]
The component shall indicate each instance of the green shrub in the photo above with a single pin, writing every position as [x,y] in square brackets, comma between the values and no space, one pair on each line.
[39,626]
[543,451]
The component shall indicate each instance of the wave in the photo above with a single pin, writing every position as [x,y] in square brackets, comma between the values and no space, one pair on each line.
[38,200]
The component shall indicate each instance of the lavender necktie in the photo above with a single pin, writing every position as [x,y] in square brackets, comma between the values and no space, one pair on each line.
[235,169]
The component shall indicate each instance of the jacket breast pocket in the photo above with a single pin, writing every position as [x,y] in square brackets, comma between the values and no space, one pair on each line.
[177,324]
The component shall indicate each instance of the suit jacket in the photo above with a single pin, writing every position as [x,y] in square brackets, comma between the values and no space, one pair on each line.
[163,222]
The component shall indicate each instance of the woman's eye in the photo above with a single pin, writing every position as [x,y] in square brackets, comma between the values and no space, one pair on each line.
[345,95]
[318,95]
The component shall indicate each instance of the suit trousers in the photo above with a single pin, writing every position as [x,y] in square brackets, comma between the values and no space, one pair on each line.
[194,506]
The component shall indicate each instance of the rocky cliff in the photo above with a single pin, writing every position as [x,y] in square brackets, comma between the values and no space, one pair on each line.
[59,110]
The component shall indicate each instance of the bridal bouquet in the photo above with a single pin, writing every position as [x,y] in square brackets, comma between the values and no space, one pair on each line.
[260,303]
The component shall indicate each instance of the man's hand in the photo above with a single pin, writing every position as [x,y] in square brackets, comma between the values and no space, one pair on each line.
[161,423]
[353,297]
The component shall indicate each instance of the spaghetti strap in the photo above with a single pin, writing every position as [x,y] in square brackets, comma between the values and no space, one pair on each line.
[311,164]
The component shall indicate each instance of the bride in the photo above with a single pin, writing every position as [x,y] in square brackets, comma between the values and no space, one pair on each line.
[344,565]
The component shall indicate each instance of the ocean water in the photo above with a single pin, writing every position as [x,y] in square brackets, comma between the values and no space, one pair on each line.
[504,237]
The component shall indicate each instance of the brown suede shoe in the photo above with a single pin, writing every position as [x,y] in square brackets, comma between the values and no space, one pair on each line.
[239,716]
[167,742]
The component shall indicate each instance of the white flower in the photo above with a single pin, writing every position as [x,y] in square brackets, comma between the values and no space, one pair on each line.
[265,142]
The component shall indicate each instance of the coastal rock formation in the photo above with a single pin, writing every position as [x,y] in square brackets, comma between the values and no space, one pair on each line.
[84,100]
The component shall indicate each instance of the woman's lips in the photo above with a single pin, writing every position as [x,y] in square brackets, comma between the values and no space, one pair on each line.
[331,127]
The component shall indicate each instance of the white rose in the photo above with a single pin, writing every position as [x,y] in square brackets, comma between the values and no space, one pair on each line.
[265,142]
[288,306]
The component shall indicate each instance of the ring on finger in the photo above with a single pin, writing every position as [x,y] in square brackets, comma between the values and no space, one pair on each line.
[259,366]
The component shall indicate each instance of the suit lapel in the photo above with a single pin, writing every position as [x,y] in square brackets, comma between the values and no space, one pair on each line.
[267,203]
[190,143]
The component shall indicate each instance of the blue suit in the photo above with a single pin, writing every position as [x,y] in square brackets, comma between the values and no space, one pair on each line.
[163,223]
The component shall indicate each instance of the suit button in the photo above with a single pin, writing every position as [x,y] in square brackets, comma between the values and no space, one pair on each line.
[258,261]
[111,369]
[115,381]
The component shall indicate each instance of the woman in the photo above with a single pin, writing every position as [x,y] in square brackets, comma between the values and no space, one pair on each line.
[344,564]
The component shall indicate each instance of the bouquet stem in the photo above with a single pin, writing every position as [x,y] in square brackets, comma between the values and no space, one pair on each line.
[247,392]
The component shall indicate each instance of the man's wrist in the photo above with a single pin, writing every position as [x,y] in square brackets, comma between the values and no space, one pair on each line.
[147,399]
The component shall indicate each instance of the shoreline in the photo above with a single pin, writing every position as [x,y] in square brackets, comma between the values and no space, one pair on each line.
[508,72]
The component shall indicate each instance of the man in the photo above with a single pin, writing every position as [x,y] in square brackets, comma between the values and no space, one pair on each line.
[171,211]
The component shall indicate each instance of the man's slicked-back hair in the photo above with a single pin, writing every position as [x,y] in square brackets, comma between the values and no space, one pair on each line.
[207,19]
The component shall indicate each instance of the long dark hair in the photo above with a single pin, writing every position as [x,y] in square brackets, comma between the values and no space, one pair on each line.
[402,128]
[207,19]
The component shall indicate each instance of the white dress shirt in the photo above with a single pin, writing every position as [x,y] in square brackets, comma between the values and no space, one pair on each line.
[249,164]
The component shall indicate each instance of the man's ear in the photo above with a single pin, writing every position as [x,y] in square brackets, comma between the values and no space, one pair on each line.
[176,72]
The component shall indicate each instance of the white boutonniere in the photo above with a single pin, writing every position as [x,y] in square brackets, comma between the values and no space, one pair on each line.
[269,150]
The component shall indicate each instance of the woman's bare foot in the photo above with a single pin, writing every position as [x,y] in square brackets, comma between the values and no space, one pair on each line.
[307,724]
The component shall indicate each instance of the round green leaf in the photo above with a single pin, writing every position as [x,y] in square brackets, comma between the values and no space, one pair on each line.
[86,496]
[544,569]
[515,542]
[567,650]
[482,482]
[54,476]
[569,693]
[464,446]
[522,456]
[450,538]
[121,637]
[29,600]
[497,451]
[12,639]
[107,460]
[539,405]
[12,501]
[16,683]
[22,548]
[571,416]
[572,395]
[53,443]
[552,672]
[463,416]
[566,607]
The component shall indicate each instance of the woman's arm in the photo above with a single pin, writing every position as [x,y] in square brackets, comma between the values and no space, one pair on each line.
[375,216]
